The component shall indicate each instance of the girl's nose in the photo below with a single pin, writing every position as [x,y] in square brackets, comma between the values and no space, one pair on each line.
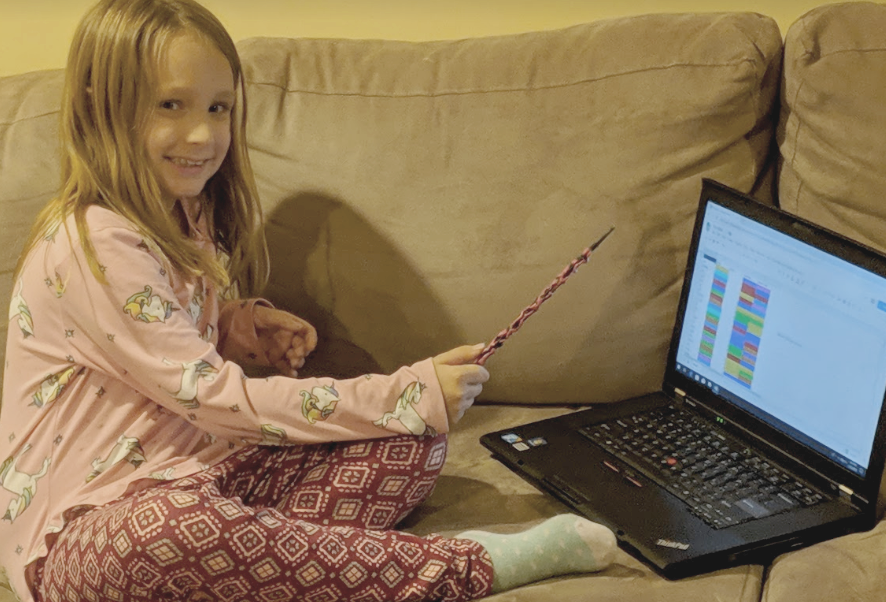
[199,132]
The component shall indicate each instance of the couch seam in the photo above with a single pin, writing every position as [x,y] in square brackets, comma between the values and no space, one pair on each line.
[807,52]
[797,130]
[744,585]
[53,112]
[850,51]
[502,90]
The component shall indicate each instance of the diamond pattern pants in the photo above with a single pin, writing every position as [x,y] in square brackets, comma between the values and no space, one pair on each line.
[271,524]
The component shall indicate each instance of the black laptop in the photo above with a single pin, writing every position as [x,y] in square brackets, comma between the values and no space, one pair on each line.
[768,433]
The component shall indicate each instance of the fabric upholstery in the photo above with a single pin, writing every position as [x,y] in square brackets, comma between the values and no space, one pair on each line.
[419,195]
[833,115]
[29,165]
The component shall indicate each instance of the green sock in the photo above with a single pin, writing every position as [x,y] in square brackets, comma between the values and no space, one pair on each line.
[559,546]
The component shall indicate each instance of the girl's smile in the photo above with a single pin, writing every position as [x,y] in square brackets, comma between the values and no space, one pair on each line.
[188,168]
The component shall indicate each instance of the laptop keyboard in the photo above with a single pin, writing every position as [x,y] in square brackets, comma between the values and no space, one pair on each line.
[722,481]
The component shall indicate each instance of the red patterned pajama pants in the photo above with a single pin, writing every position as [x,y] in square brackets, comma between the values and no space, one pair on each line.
[271,524]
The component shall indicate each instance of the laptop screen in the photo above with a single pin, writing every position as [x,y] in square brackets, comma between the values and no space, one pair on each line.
[787,333]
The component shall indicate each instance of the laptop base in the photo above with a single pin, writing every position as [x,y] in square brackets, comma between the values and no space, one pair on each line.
[545,453]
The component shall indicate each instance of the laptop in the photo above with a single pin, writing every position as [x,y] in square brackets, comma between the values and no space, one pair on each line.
[768,433]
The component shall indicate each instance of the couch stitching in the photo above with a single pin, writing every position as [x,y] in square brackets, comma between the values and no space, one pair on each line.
[501,90]
[8,123]
[850,51]
[797,130]
[807,52]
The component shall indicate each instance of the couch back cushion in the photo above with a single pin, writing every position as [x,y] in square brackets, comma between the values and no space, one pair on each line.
[29,168]
[832,130]
[418,195]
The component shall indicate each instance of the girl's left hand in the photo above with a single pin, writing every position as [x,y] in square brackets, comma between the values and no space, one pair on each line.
[287,339]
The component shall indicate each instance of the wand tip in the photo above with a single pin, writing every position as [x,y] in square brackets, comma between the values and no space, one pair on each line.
[602,238]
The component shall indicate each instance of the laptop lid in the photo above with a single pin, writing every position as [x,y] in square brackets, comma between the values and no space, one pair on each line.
[781,334]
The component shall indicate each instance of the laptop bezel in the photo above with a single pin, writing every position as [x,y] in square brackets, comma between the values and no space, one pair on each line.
[773,441]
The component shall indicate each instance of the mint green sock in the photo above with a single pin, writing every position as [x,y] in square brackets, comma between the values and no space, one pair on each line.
[559,546]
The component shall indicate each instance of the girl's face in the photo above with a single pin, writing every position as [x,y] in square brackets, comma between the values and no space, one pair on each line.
[189,130]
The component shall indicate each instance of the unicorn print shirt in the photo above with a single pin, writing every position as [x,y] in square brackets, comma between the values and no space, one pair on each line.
[111,386]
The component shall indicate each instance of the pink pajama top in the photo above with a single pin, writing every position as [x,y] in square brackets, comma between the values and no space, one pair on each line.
[109,384]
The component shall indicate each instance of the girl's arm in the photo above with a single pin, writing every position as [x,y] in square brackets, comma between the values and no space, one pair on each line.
[133,328]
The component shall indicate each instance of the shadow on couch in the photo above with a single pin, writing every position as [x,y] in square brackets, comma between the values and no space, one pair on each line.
[332,268]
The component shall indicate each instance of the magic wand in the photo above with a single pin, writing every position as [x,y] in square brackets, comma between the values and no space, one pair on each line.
[501,337]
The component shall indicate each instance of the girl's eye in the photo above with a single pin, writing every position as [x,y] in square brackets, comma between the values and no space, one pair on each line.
[170,105]
[220,108]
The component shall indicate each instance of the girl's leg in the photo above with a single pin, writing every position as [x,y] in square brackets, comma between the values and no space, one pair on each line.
[374,484]
[199,544]
[366,484]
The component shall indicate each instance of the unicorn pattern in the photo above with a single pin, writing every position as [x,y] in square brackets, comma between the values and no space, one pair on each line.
[147,307]
[18,308]
[404,411]
[166,475]
[52,387]
[273,435]
[192,372]
[22,484]
[127,449]
[195,305]
[319,403]
[59,286]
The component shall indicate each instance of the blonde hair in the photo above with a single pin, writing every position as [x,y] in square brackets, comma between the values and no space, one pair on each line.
[108,97]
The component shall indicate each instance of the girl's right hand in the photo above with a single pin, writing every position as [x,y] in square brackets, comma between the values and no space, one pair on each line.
[460,378]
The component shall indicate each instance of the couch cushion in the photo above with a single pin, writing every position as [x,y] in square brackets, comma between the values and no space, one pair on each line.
[420,194]
[833,171]
[29,166]
[847,568]
[831,132]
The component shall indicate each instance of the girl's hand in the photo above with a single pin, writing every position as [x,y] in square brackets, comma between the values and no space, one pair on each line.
[287,339]
[460,378]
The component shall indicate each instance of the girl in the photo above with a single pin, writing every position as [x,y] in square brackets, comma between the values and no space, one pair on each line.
[140,463]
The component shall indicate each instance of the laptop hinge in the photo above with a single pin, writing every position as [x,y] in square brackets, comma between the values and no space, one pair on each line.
[849,496]
[683,398]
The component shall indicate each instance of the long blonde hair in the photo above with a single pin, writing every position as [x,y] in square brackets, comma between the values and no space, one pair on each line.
[108,96]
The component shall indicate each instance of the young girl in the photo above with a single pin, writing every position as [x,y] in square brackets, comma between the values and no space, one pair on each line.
[139,462]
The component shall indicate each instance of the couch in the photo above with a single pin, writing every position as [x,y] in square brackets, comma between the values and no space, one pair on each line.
[417,195]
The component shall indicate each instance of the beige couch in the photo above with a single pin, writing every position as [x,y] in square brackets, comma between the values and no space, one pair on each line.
[417,195]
